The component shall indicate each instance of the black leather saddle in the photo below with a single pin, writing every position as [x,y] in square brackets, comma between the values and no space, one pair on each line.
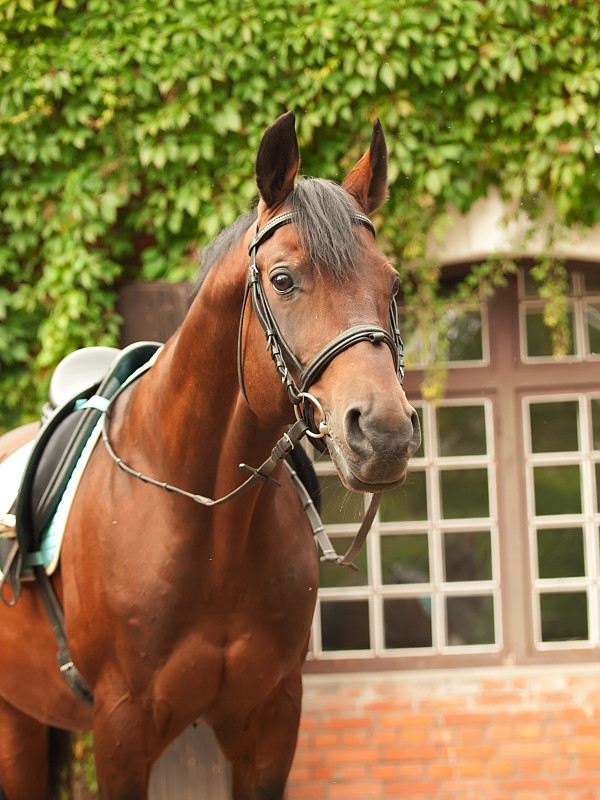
[68,419]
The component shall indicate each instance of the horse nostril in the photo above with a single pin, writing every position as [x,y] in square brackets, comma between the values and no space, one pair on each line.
[416,428]
[353,432]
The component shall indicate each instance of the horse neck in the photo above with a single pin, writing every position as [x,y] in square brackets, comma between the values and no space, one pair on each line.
[190,406]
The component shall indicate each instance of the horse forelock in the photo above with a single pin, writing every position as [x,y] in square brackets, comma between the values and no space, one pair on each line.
[324,225]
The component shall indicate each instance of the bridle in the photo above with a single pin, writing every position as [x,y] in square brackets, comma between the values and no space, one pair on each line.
[305,403]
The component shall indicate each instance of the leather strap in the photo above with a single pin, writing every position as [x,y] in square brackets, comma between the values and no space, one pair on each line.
[57,619]
[347,339]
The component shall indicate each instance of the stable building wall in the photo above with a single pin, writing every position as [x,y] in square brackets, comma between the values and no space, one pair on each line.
[500,733]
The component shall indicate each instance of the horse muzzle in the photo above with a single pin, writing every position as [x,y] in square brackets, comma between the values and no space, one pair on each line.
[371,441]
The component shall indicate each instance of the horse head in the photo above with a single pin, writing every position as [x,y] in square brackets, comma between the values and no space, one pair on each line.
[330,293]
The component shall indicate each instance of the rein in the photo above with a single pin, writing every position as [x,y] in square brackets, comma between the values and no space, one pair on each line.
[304,402]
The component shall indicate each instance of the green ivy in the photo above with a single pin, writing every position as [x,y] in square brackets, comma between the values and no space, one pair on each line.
[128,131]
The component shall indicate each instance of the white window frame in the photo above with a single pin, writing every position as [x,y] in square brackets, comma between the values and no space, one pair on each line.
[578,305]
[435,526]
[588,519]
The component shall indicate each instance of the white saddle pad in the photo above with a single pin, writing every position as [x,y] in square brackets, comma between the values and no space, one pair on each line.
[11,471]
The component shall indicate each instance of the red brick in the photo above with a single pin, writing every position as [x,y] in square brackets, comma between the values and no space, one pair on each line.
[440,703]
[441,770]
[587,729]
[384,772]
[497,733]
[408,753]
[473,752]
[364,790]
[569,714]
[467,718]
[499,767]
[411,771]
[470,769]
[521,716]
[325,740]
[578,781]
[588,764]
[504,699]
[558,730]
[529,767]
[355,772]
[355,739]
[343,723]
[353,755]
[384,737]
[556,765]
[526,749]
[468,734]
[405,720]
[579,746]
[442,735]
[419,788]
[527,785]
[532,730]
[411,736]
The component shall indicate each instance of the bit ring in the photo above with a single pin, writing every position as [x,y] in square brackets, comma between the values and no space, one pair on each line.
[323,427]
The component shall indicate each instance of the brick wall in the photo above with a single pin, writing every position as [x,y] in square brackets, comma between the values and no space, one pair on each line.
[530,733]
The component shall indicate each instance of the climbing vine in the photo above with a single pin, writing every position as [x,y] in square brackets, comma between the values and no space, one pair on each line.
[128,131]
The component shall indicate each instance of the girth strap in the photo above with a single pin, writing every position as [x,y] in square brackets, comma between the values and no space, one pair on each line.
[57,619]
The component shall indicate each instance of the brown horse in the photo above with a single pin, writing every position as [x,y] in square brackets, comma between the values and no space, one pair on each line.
[177,611]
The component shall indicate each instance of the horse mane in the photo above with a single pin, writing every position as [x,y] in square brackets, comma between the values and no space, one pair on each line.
[324,226]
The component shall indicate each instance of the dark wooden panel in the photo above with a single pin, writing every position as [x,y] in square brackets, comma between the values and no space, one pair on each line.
[151,311]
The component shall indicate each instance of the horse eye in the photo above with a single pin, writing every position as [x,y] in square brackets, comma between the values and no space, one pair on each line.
[396,284]
[282,282]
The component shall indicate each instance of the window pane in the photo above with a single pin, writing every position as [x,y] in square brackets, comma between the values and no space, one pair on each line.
[467,556]
[596,422]
[560,552]
[345,625]
[461,430]
[338,505]
[557,489]
[333,575]
[532,287]
[407,503]
[539,336]
[592,315]
[405,558]
[407,621]
[470,620]
[464,493]
[465,342]
[592,282]
[564,616]
[554,426]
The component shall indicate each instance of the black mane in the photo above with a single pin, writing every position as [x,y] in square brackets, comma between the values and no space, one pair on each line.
[324,226]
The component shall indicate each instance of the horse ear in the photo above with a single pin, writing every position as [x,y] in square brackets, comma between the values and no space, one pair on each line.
[367,182]
[277,161]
